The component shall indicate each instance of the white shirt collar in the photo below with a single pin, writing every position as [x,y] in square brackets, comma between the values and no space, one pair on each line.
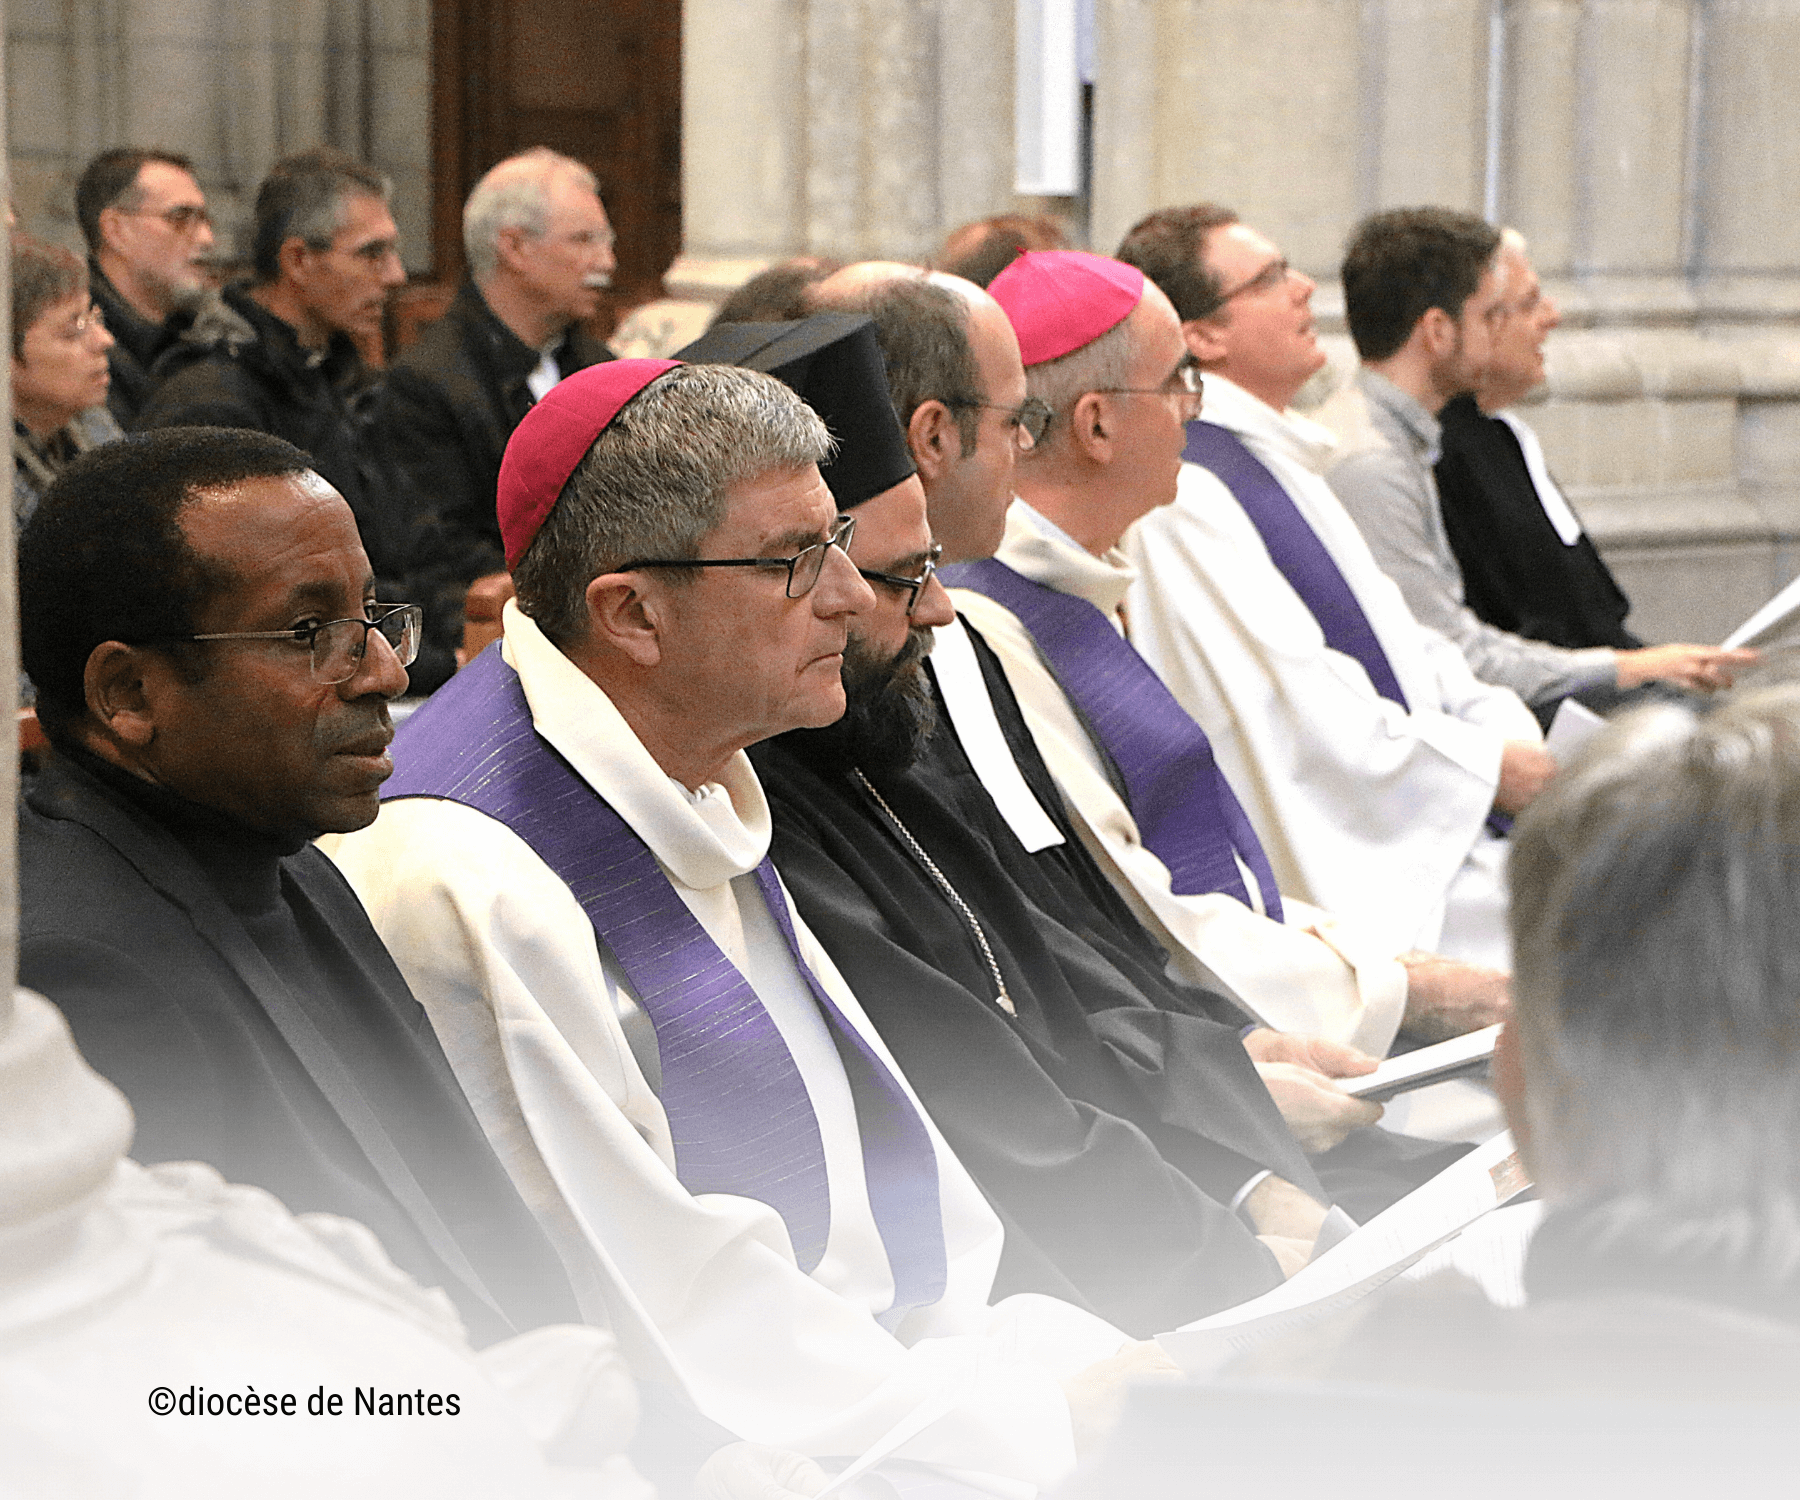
[703,838]
[1035,547]
[1306,442]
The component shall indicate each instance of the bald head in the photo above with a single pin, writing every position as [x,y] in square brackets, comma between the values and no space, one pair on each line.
[840,290]
[954,373]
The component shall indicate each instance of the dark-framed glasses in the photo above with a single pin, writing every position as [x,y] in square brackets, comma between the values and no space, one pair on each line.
[914,586]
[1275,274]
[1029,420]
[338,646]
[803,568]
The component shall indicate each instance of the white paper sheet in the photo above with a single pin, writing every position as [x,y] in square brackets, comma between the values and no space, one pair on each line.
[1574,725]
[1384,1247]
[1490,1252]
[1768,618]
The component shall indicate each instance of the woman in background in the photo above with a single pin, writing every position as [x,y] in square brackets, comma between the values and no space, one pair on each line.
[59,369]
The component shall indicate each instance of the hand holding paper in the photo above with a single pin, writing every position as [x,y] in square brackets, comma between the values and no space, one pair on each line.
[1700,669]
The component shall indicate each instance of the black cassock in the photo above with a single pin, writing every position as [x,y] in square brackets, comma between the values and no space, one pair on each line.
[1113,1119]
[1517,573]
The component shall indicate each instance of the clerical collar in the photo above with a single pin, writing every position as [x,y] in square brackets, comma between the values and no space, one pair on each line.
[1037,548]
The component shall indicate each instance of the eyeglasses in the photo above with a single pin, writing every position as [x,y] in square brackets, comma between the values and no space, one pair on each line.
[1275,274]
[338,646]
[915,586]
[183,218]
[803,568]
[1184,381]
[83,322]
[1029,420]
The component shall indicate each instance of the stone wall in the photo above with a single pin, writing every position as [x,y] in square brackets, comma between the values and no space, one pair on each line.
[235,84]
[1647,148]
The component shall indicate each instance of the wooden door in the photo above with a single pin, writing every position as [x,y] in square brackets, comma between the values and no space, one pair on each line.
[599,80]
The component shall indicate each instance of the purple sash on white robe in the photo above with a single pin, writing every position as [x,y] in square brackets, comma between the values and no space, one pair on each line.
[1294,547]
[737,1107]
[1185,810]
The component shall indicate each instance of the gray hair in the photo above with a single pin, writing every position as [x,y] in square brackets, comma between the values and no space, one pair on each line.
[515,194]
[306,196]
[1656,923]
[654,484]
[1060,383]
[923,331]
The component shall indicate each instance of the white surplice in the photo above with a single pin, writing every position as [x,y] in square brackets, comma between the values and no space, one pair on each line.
[505,962]
[1370,810]
[1312,973]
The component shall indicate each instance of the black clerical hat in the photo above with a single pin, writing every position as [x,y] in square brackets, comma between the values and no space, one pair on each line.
[834,362]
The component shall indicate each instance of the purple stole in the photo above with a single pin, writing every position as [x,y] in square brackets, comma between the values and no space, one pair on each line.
[1294,548]
[737,1107]
[1186,811]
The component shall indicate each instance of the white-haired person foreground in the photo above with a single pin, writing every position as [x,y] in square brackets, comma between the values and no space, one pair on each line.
[1649,1073]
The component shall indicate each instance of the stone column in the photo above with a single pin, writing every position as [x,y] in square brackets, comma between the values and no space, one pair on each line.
[1539,109]
[1243,102]
[848,128]
[1633,66]
[1425,102]
[974,110]
[743,138]
[1747,240]
[1127,115]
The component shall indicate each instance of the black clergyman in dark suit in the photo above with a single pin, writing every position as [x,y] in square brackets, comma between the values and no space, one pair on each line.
[214,678]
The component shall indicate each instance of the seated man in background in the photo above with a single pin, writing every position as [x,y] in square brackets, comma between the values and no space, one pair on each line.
[1369,756]
[960,393]
[572,871]
[324,257]
[196,614]
[59,369]
[1526,564]
[1427,293]
[148,235]
[540,252]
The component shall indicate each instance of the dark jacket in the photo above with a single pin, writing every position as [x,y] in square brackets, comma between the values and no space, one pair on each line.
[240,999]
[1517,572]
[449,405]
[138,343]
[216,376]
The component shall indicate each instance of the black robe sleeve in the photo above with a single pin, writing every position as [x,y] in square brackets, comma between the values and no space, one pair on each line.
[1104,1201]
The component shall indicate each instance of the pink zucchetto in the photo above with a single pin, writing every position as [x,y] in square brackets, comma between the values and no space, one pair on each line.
[1062,300]
[555,436]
